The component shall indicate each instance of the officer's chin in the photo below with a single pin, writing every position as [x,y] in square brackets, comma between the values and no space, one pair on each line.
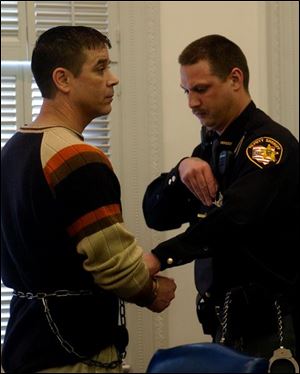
[203,122]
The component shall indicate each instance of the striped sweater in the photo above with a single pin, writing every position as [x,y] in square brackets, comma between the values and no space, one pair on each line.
[62,229]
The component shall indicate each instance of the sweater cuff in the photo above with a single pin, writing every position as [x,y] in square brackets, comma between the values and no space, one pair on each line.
[147,295]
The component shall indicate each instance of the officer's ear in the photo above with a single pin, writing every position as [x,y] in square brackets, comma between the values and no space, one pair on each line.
[236,77]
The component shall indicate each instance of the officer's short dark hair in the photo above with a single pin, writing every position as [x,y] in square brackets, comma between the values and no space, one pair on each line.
[62,46]
[222,54]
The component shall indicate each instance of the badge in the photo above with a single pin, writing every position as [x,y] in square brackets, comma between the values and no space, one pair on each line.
[264,151]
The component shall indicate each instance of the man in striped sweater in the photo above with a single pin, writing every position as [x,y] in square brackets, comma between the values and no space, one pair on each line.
[65,249]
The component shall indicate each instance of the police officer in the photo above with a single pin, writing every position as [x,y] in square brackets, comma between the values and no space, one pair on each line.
[239,192]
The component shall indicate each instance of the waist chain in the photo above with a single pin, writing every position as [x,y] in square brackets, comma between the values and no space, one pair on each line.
[64,343]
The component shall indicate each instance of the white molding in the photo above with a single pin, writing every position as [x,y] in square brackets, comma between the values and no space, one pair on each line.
[16,47]
[282,19]
[141,130]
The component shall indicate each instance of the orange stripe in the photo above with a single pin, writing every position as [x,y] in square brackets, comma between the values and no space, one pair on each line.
[92,217]
[47,174]
[66,153]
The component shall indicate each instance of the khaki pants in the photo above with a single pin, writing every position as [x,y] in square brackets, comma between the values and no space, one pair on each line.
[107,355]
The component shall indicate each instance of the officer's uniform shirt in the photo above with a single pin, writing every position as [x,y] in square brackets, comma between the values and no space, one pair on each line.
[250,232]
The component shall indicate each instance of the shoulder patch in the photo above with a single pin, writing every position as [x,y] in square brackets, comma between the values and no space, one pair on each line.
[264,151]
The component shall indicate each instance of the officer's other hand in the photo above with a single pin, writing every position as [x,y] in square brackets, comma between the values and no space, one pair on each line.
[198,177]
[165,294]
[152,263]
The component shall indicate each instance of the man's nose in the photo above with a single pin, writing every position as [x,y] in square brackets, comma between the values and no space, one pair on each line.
[194,100]
[113,80]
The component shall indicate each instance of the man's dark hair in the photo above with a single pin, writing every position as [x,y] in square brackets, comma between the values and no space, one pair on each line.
[62,46]
[222,54]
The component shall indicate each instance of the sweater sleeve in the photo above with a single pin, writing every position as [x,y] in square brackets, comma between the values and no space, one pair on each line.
[87,194]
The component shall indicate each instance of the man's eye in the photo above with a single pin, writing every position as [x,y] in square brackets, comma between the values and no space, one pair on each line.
[200,89]
[101,69]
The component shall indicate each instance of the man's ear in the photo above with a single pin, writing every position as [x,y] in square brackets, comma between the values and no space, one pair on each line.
[61,78]
[237,78]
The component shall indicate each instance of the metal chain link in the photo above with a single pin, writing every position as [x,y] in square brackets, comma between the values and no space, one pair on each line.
[280,324]
[59,293]
[224,319]
[122,313]
[66,345]
[282,353]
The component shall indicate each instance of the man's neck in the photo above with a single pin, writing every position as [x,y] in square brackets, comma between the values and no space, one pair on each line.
[53,113]
[240,107]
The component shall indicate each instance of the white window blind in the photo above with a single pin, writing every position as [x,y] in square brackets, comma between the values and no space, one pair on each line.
[8,128]
[21,24]
[8,107]
[36,100]
[6,294]
[13,30]
[81,13]
[10,20]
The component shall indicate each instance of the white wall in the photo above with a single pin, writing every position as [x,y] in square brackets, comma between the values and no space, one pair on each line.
[182,23]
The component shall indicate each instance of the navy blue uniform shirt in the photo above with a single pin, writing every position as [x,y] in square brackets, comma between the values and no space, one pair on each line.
[251,233]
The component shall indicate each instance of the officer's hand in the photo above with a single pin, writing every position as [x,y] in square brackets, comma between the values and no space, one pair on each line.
[197,175]
[152,263]
[165,293]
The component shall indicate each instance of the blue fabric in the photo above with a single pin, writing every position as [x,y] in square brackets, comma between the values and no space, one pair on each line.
[204,358]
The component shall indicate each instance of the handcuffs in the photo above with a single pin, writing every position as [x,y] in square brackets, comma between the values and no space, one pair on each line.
[282,353]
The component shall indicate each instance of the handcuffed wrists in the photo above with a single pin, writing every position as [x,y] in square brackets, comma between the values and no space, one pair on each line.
[154,293]
[147,295]
[155,288]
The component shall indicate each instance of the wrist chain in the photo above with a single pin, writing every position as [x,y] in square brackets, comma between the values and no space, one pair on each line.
[66,345]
